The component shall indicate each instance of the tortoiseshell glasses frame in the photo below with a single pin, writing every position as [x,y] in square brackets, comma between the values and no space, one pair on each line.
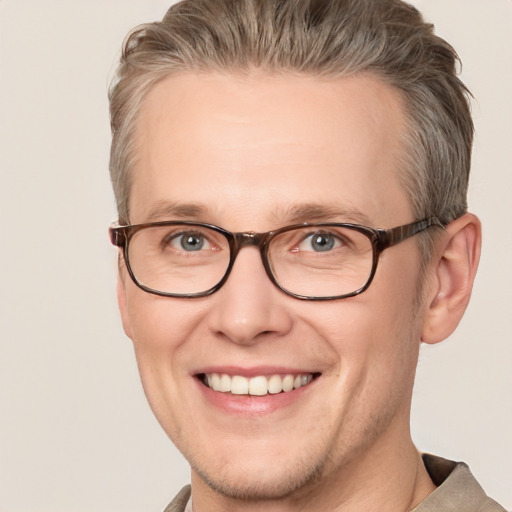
[322,273]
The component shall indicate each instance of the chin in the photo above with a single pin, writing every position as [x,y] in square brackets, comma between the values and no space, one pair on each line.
[274,481]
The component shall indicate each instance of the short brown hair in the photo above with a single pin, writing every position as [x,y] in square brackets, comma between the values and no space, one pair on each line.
[328,38]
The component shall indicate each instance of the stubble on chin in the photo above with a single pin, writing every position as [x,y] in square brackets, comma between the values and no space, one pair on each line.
[264,487]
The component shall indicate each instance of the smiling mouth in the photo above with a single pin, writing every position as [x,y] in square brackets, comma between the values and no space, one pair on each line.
[259,385]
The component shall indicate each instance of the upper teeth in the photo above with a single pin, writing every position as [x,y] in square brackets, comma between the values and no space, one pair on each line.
[259,385]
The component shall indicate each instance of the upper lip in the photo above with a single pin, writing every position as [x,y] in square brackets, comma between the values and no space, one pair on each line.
[254,371]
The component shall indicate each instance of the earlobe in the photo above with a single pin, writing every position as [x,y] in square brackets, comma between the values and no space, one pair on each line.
[123,308]
[455,265]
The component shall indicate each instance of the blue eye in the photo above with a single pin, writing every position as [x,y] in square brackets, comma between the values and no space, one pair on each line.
[188,241]
[322,243]
[191,242]
[319,242]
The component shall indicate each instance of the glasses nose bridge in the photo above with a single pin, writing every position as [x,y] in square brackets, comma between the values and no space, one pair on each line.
[247,239]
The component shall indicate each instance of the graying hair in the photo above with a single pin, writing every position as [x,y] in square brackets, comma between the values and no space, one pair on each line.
[327,38]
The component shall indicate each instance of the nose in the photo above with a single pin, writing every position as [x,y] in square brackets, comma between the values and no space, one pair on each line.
[249,307]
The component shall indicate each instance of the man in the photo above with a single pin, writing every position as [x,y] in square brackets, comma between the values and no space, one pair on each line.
[291,182]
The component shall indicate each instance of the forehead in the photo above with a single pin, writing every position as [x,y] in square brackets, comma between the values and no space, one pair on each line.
[264,145]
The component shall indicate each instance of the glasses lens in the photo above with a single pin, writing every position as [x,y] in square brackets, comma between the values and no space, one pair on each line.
[325,261]
[178,259]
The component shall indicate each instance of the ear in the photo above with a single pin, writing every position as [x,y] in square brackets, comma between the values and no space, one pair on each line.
[455,264]
[121,301]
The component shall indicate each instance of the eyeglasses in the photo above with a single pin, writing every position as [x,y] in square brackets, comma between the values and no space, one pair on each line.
[323,261]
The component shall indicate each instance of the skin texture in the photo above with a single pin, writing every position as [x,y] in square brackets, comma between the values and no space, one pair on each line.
[242,152]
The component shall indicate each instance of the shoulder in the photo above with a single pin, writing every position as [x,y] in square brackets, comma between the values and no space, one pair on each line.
[179,503]
[457,489]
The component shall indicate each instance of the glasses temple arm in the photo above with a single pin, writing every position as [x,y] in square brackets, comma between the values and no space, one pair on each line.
[117,236]
[390,237]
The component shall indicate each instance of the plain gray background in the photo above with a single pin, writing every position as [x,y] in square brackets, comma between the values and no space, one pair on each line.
[76,433]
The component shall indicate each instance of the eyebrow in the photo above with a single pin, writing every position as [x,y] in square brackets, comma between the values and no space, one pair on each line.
[314,212]
[165,210]
[296,214]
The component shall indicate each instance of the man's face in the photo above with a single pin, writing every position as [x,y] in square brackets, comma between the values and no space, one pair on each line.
[254,154]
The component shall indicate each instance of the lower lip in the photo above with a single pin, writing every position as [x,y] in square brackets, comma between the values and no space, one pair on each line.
[250,405]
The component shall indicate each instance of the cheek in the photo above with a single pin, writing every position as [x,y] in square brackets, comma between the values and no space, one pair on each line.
[160,329]
[375,336]
[160,323]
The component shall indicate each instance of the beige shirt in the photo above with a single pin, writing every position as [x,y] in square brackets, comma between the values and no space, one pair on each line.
[457,491]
